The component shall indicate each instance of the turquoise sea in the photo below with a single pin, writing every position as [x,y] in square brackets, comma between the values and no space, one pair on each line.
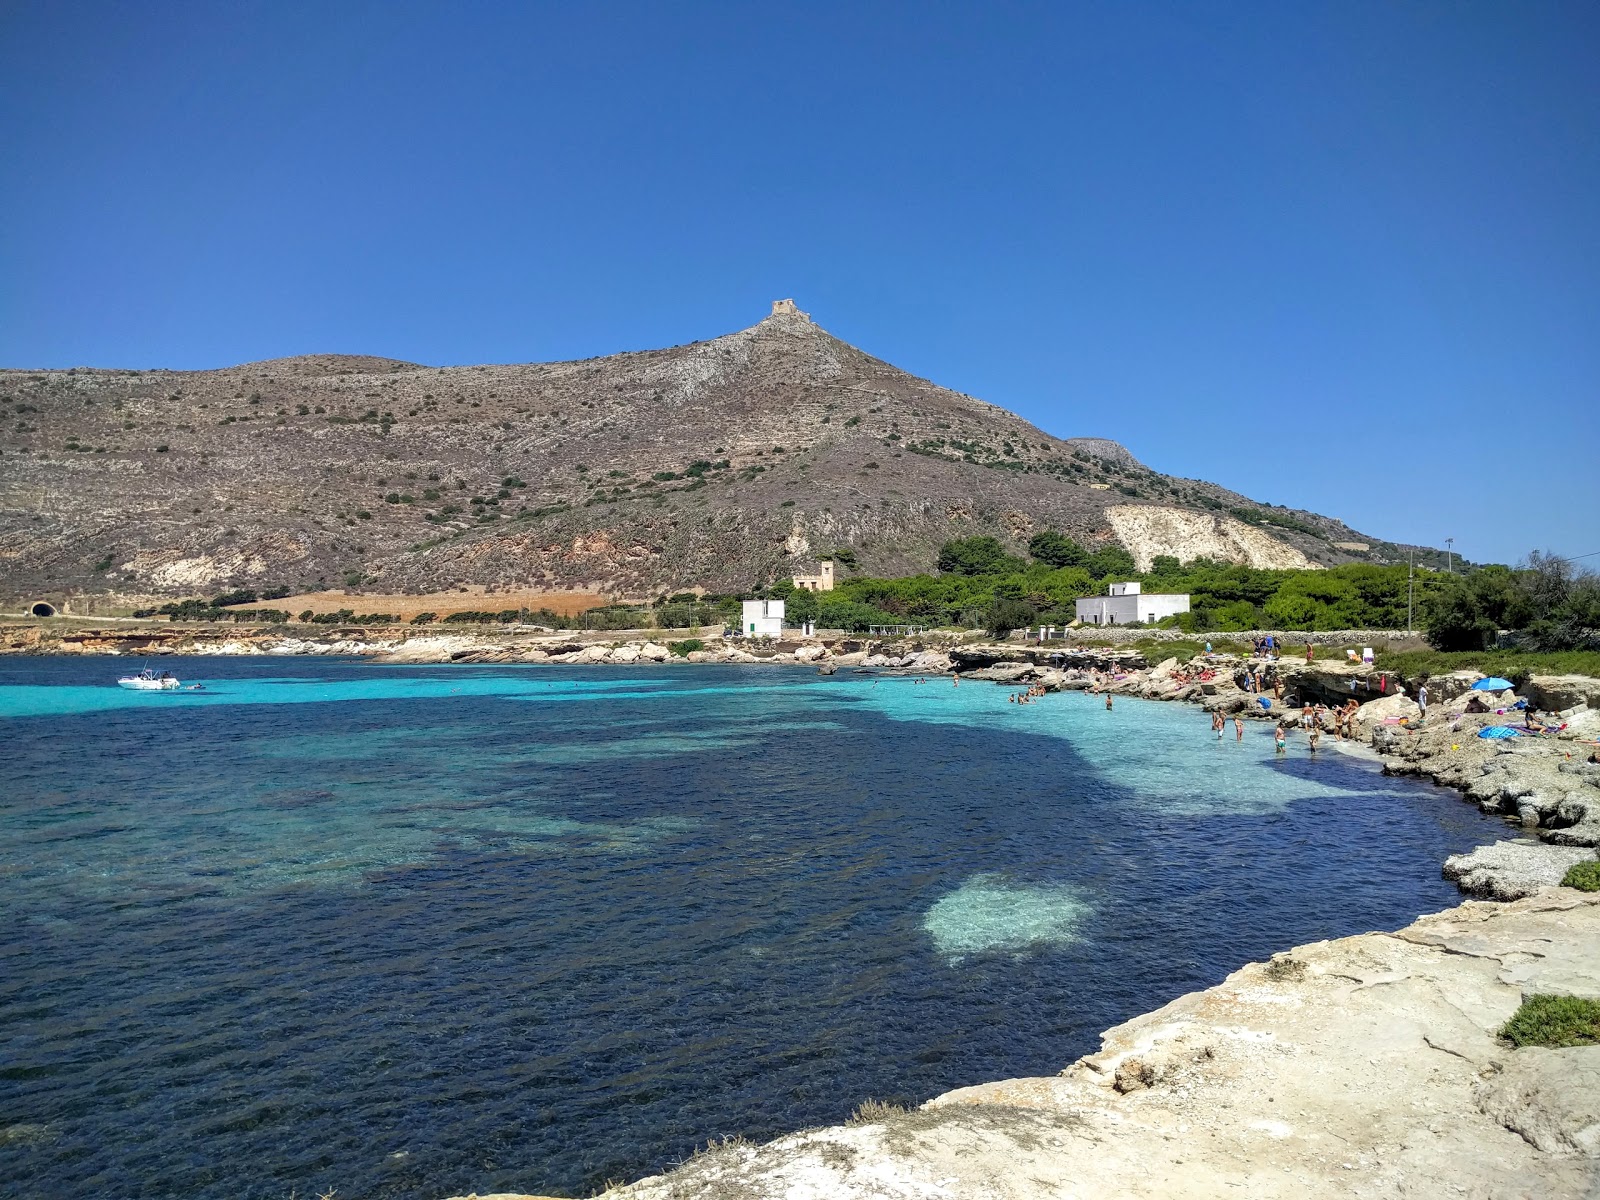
[412,931]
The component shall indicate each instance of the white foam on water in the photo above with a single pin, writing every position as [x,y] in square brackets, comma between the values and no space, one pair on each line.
[987,913]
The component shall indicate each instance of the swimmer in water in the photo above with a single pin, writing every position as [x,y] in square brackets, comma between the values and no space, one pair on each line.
[1238,728]
[1108,701]
[1280,740]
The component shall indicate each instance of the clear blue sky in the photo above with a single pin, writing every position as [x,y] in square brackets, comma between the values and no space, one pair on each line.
[1344,256]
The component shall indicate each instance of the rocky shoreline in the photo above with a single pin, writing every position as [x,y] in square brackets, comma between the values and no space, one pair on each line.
[1369,1065]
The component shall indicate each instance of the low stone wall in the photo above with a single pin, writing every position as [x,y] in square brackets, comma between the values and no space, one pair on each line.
[1119,634]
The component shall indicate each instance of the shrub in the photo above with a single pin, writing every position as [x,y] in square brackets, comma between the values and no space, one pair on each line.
[1584,876]
[1554,1021]
[686,647]
[424,618]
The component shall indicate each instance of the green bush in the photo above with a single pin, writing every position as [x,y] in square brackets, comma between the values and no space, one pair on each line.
[424,618]
[1584,876]
[1554,1021]
[686,647]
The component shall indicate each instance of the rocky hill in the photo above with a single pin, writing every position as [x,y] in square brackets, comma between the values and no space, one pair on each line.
[718,465]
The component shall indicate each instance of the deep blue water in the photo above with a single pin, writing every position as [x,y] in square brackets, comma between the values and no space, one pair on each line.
[417,931]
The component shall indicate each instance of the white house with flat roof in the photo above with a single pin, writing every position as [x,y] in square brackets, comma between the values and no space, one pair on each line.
[1125,604]
[762,618]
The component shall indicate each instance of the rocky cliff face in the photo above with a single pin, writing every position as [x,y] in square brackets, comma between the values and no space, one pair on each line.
[719,464]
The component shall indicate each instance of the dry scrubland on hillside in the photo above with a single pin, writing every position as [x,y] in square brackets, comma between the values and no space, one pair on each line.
[722,464]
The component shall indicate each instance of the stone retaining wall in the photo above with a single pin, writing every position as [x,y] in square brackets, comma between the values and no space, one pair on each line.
[1119,634]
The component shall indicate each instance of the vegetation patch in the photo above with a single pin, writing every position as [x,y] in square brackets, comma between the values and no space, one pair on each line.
[1554,1021]
[1584,876]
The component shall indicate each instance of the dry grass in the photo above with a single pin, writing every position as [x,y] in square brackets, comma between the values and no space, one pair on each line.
[466,599]
[875,1112]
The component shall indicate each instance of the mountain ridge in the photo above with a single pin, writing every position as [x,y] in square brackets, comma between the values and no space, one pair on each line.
[720,465]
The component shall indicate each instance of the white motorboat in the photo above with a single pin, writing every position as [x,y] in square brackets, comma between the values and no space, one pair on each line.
[150,681]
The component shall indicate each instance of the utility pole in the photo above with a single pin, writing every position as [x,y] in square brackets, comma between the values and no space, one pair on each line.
[1411,567]
[1448,544]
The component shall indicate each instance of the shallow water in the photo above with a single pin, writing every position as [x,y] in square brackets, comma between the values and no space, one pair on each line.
[423,930]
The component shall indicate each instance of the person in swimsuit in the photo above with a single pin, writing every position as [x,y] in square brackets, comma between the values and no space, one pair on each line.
[1238,728]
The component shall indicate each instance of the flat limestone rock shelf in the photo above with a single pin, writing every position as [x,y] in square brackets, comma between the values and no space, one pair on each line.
[1366,1066]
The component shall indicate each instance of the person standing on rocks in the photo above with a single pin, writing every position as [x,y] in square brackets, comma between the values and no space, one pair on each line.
[1422,700]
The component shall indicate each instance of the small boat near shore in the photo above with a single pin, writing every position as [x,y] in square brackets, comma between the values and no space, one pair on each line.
[150,681]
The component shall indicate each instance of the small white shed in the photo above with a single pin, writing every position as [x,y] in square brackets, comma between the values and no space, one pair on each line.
[762,618]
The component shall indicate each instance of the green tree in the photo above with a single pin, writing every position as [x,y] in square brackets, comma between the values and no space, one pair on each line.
[1456,618]
[1056,549]
[1006,615]
[975,556]
[801,606]
[1112,560]
[1165,565]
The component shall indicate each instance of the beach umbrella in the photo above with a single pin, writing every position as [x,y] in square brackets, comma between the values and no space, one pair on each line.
[1492,684]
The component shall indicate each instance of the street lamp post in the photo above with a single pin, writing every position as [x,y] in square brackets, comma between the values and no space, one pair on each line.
[1448,544]
[1411,566]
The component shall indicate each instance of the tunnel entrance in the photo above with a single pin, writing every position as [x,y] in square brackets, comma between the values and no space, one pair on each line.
[42,608]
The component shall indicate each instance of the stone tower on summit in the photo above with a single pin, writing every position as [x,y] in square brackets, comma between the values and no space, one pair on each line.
[786,308]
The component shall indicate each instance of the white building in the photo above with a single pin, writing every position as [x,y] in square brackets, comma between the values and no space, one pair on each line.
[762,618]
[1125,604]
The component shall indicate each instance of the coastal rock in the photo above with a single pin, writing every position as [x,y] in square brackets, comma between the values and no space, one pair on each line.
[1511,870]
[1391,709]
[654,652]
[1550,1097]
[1562,693]
[624,655]
[1576,821]
[810,653]
[1004,673]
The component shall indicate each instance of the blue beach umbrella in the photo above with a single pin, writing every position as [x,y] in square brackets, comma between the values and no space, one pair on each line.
[1492,684]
